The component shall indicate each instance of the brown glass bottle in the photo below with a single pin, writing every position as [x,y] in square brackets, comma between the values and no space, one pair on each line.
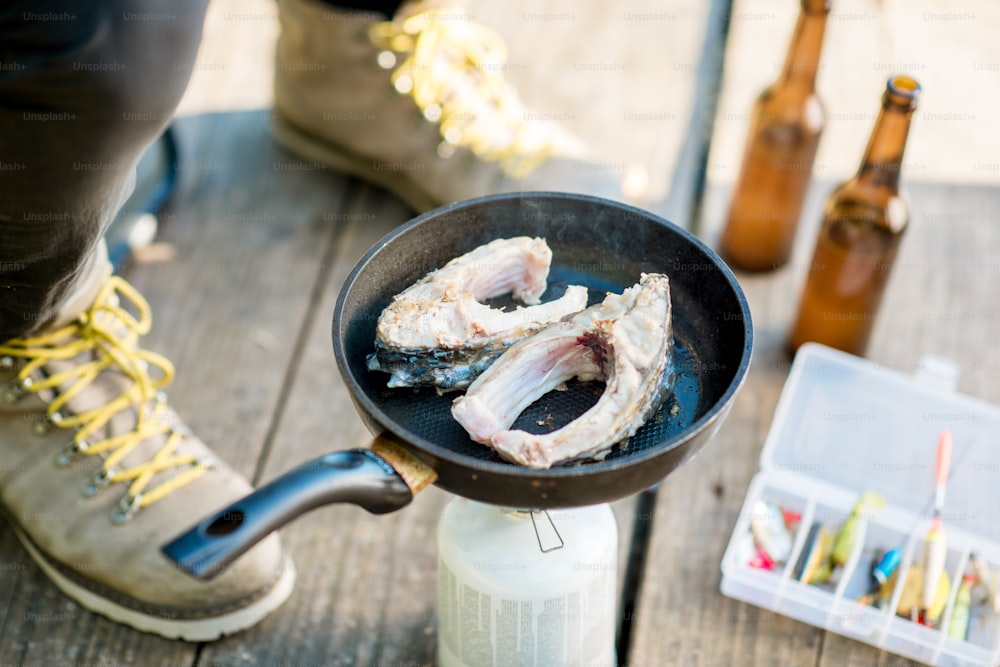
[863,223]
[785,126]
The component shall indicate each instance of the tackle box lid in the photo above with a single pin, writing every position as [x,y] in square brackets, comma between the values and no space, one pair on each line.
[847,424]
[844,425]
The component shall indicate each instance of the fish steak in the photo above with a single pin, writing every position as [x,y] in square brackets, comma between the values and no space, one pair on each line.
[626,340]
[438,332]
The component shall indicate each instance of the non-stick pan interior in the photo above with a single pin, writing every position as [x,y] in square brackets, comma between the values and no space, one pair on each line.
[602,245]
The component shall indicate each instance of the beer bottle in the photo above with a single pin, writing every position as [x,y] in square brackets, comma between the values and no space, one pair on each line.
[863,223]
[785,126]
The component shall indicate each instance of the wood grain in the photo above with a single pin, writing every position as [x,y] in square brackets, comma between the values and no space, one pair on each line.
[937,302]
[367,585]
[681,618]
[260,248]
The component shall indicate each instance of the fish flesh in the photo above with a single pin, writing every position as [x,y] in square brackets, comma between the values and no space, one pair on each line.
[626,341]
[437,332]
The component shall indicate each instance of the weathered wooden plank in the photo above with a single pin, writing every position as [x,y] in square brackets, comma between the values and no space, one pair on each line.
[937,300]
[13,562]
[620,75]
[681,617]
[227,310]
[230,304]
[937,303]
[689,173]
[367,585]
[941,298]
[346,559]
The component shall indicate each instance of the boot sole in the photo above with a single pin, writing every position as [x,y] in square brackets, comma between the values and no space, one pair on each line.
[195,630]
[319,150]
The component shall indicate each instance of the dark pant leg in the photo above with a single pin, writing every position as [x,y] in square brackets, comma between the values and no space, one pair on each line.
[85,87]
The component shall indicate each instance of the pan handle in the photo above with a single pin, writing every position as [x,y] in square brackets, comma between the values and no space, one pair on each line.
[381,479]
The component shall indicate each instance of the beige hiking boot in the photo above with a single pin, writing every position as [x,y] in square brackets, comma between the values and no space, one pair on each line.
[97,473]
[417,105]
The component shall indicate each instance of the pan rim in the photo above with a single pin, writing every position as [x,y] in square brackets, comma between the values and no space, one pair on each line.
[502,468]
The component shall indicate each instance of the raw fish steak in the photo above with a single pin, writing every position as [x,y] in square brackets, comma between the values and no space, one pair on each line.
[626,340]
[437,332]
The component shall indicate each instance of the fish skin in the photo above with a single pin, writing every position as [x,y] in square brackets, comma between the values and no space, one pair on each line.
[626,340]
[436,332]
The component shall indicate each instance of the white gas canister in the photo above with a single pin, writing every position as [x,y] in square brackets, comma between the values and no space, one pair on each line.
[526,589]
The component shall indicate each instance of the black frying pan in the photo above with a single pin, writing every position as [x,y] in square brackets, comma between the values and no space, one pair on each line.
[595,242]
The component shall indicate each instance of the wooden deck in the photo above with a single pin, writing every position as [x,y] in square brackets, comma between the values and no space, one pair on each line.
[243,305]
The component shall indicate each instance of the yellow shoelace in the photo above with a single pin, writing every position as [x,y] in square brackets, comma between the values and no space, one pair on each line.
[453,70]
[109,333]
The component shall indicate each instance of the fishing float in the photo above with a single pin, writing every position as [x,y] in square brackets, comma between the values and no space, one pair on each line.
[936,544]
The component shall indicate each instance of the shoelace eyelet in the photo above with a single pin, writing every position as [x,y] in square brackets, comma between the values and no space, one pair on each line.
[16,390]
[386,59]
[445,150]
[6,363]
[47,423]
[126,509]
[100,480]
[72,453]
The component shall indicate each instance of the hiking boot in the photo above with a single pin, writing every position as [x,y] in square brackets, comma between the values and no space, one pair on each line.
[97,473]
[417,105]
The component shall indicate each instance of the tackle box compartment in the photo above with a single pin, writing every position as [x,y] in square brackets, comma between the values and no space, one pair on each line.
[844,425]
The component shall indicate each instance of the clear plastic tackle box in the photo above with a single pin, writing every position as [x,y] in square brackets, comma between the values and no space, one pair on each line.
[843,426]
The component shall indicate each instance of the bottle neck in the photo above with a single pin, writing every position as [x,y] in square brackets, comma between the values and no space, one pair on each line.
[802,60]
[883,157]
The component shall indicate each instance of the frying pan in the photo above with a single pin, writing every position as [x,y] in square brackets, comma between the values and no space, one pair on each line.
[598,243]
